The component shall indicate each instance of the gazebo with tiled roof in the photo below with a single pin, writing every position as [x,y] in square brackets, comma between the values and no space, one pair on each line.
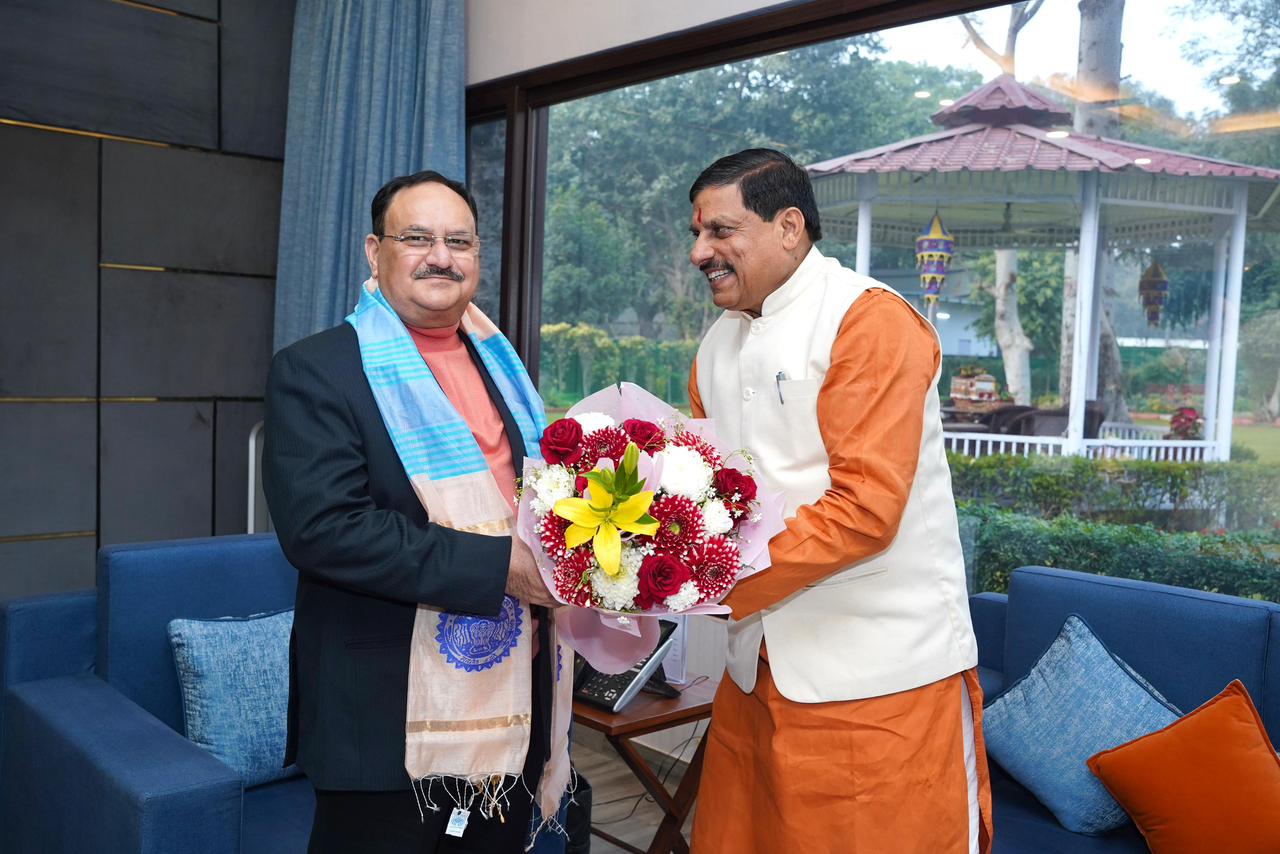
[1006,175]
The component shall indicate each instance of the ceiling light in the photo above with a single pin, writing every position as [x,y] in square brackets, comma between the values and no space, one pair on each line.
[1058,134]
[942,315]
[1142,161]
[924,93]
[1229,80]
[946,102]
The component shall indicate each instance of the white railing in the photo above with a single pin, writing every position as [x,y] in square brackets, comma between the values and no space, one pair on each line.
[985,444]
[1163,450]
[1166,450]
[1124,430]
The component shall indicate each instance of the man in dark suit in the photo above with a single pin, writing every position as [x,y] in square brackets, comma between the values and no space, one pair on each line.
[367,555]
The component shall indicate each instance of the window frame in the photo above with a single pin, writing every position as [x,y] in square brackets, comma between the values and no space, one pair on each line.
[524,99]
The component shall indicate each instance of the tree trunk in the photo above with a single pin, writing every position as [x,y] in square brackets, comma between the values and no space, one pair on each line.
[1271,406]
[1070,286]
[1097,91]
[1111,372]
[1098,67]
[1015,346]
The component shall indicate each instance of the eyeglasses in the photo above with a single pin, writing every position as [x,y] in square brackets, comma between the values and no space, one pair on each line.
[458,243]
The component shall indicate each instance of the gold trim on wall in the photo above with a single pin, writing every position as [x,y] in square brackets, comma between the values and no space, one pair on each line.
[147,8]
[64,535]
[89,133]
[146,269]
[48,400]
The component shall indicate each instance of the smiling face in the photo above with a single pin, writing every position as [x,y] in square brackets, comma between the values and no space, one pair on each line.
[427,287]
[744,257]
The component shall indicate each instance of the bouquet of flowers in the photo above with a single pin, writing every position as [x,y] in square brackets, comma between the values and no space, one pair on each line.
[637,510]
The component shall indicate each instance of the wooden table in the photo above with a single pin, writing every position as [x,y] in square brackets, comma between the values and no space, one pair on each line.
[645,714]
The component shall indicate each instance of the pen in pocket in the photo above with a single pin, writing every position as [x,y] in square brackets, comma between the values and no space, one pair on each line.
[782,375]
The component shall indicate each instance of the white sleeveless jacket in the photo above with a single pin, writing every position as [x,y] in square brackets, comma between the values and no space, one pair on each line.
[891,622]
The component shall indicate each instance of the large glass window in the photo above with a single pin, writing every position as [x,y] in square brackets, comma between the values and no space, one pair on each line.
[486,158]
[1123,163]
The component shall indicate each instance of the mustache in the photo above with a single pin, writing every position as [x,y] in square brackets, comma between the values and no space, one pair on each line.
[432,271]
[709,266]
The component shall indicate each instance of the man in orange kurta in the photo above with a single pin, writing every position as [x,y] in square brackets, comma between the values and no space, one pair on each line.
[903,771]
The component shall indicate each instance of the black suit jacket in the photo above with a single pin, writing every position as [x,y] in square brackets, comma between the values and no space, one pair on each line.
[349,521]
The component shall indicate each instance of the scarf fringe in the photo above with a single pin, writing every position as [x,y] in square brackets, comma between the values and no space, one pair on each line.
[551,822]
[492,791]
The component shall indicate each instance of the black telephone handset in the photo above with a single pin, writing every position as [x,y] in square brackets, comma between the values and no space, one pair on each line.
[612,692]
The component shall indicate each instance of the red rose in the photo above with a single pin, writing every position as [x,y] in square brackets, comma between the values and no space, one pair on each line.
[730,482]
[647,435]
[660,576]
[562,442]
[580,484]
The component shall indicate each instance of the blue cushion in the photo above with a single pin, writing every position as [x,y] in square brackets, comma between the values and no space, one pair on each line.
[1186,643]
[234,678]
[142,587]
[1077,700]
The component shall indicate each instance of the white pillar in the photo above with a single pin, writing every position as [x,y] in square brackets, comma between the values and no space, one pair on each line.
[1231,323]
[1214,362]
[1095,328]
[1082,347]
[866,192]
[864,239]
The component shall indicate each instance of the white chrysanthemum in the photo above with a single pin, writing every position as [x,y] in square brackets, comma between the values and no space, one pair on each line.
[685,472]
[632,557]
[686,597]
[593,421]
[716,518]
[616,592]
[549,486]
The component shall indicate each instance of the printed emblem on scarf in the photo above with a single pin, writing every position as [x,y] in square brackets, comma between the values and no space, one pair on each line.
[478,643]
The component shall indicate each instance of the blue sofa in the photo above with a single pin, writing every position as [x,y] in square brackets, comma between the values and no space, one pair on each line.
[92,752]
[1187,643]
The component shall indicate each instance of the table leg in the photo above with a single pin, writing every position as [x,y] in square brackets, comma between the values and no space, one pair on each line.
[669,837]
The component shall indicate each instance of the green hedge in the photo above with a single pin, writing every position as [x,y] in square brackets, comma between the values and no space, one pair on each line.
[998,542]
[1175,496]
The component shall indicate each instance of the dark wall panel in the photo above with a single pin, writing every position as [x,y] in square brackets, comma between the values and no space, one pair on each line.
[192,210]
[48,454]
[34,567]
[185,335]
[157,471]
[49,267]
[256,39]
[110,68]
[231,465]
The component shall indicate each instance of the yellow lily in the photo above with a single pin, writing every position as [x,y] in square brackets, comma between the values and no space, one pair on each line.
[600,520]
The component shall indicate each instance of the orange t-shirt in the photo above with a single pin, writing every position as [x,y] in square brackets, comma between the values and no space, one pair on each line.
[461,382]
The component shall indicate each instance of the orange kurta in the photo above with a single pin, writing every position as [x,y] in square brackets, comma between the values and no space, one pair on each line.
[882,774]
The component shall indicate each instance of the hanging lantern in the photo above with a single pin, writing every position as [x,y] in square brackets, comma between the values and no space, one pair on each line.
[1153,290]
[934,248]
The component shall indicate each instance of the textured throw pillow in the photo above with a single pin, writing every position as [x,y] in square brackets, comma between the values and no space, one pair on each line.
[1076,700]
[1208,782]
[234,676]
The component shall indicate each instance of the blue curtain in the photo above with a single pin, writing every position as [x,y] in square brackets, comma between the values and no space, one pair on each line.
[376,89]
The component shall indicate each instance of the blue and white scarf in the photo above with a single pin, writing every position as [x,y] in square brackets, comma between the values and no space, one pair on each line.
[470,706]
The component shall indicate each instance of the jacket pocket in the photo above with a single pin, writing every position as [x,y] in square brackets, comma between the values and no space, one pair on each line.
[849,576]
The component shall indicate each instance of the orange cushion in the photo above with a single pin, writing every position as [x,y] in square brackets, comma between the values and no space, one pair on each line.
[1210,781]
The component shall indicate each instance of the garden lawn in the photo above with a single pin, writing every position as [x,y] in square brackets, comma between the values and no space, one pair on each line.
[1263,438]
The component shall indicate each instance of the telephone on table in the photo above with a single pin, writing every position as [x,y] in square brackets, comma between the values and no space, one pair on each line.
[612,692]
